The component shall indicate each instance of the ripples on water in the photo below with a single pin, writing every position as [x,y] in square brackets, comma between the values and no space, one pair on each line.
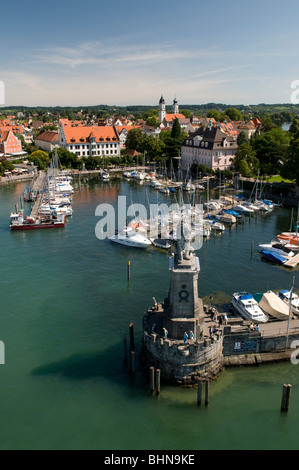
[65,307]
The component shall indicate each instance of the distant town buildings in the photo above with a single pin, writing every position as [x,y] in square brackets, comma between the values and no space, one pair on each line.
[209,142]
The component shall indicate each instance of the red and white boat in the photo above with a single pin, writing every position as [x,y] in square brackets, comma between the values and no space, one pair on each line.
[17,221]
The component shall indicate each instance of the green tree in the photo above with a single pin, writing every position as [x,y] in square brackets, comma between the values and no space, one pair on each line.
[40,158]
[5,165]
[246,153]
[271,150]
[234,114]
[176,131]
[135,139]
[244,169]
[242,138]
[290,169]
[66,158]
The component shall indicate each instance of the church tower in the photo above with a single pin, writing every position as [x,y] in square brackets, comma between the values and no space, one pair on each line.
[175,107]
[162,109]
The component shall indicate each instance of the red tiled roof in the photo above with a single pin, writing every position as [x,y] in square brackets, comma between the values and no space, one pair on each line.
[48,136]
[171,117]
[12,128]
[83,133]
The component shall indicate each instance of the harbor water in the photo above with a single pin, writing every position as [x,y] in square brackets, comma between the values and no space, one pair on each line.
[66,305]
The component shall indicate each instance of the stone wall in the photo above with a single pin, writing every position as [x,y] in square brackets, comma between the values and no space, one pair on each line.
[183,363]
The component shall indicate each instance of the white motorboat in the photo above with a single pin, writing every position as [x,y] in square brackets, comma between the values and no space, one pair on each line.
[213,206]
[251,205]
[139,176]
[162,243]
[245,304]
[47,209]
[155,184]
[164,190]
[227,218]
[214,225]
[104,175]
[188,186]
[243,209]
[262,205]
[285,296]
[128,174]
[277,247]
[129,237]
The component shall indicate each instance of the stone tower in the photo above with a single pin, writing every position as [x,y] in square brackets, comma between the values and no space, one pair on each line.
[175,107]
[183,309]
[162,109]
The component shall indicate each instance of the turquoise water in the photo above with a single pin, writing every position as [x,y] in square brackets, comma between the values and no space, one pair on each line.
[66,305]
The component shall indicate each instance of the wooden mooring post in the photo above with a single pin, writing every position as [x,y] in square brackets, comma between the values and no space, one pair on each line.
[132,345]
[129,270]
[132,362]
[125,351]
[286,394]
[152,379]
[199,392]
[155,380]
[158,377]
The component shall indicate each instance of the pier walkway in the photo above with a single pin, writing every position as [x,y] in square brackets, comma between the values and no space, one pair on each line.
[38,183]
[292,262]
[275,328]
[35,208]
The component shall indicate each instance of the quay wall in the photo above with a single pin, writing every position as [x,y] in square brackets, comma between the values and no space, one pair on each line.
[250,343]
[186,364]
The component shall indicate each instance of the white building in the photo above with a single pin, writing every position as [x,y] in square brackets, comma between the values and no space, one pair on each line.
[208,146]
[87,141]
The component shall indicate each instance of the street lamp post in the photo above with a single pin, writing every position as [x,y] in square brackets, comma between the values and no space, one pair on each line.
[290,312]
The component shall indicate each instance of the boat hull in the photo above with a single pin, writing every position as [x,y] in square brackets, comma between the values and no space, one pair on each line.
[36,226]
[131,244]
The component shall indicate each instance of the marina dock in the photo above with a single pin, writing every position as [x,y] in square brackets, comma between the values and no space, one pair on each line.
[36,186]
[292,262]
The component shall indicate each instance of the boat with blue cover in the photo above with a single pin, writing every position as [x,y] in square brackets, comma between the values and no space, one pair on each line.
[275,257]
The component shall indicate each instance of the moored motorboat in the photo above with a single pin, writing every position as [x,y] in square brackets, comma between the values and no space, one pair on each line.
[104,175]
[162,243]
[243,209]
[277,247]
[17,221]
[285,295]
[273,305]
[227,218]
[130,237]
[128,174]
[214,224]
[245,304]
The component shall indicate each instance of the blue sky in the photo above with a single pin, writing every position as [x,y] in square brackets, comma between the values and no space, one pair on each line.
[71,53]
